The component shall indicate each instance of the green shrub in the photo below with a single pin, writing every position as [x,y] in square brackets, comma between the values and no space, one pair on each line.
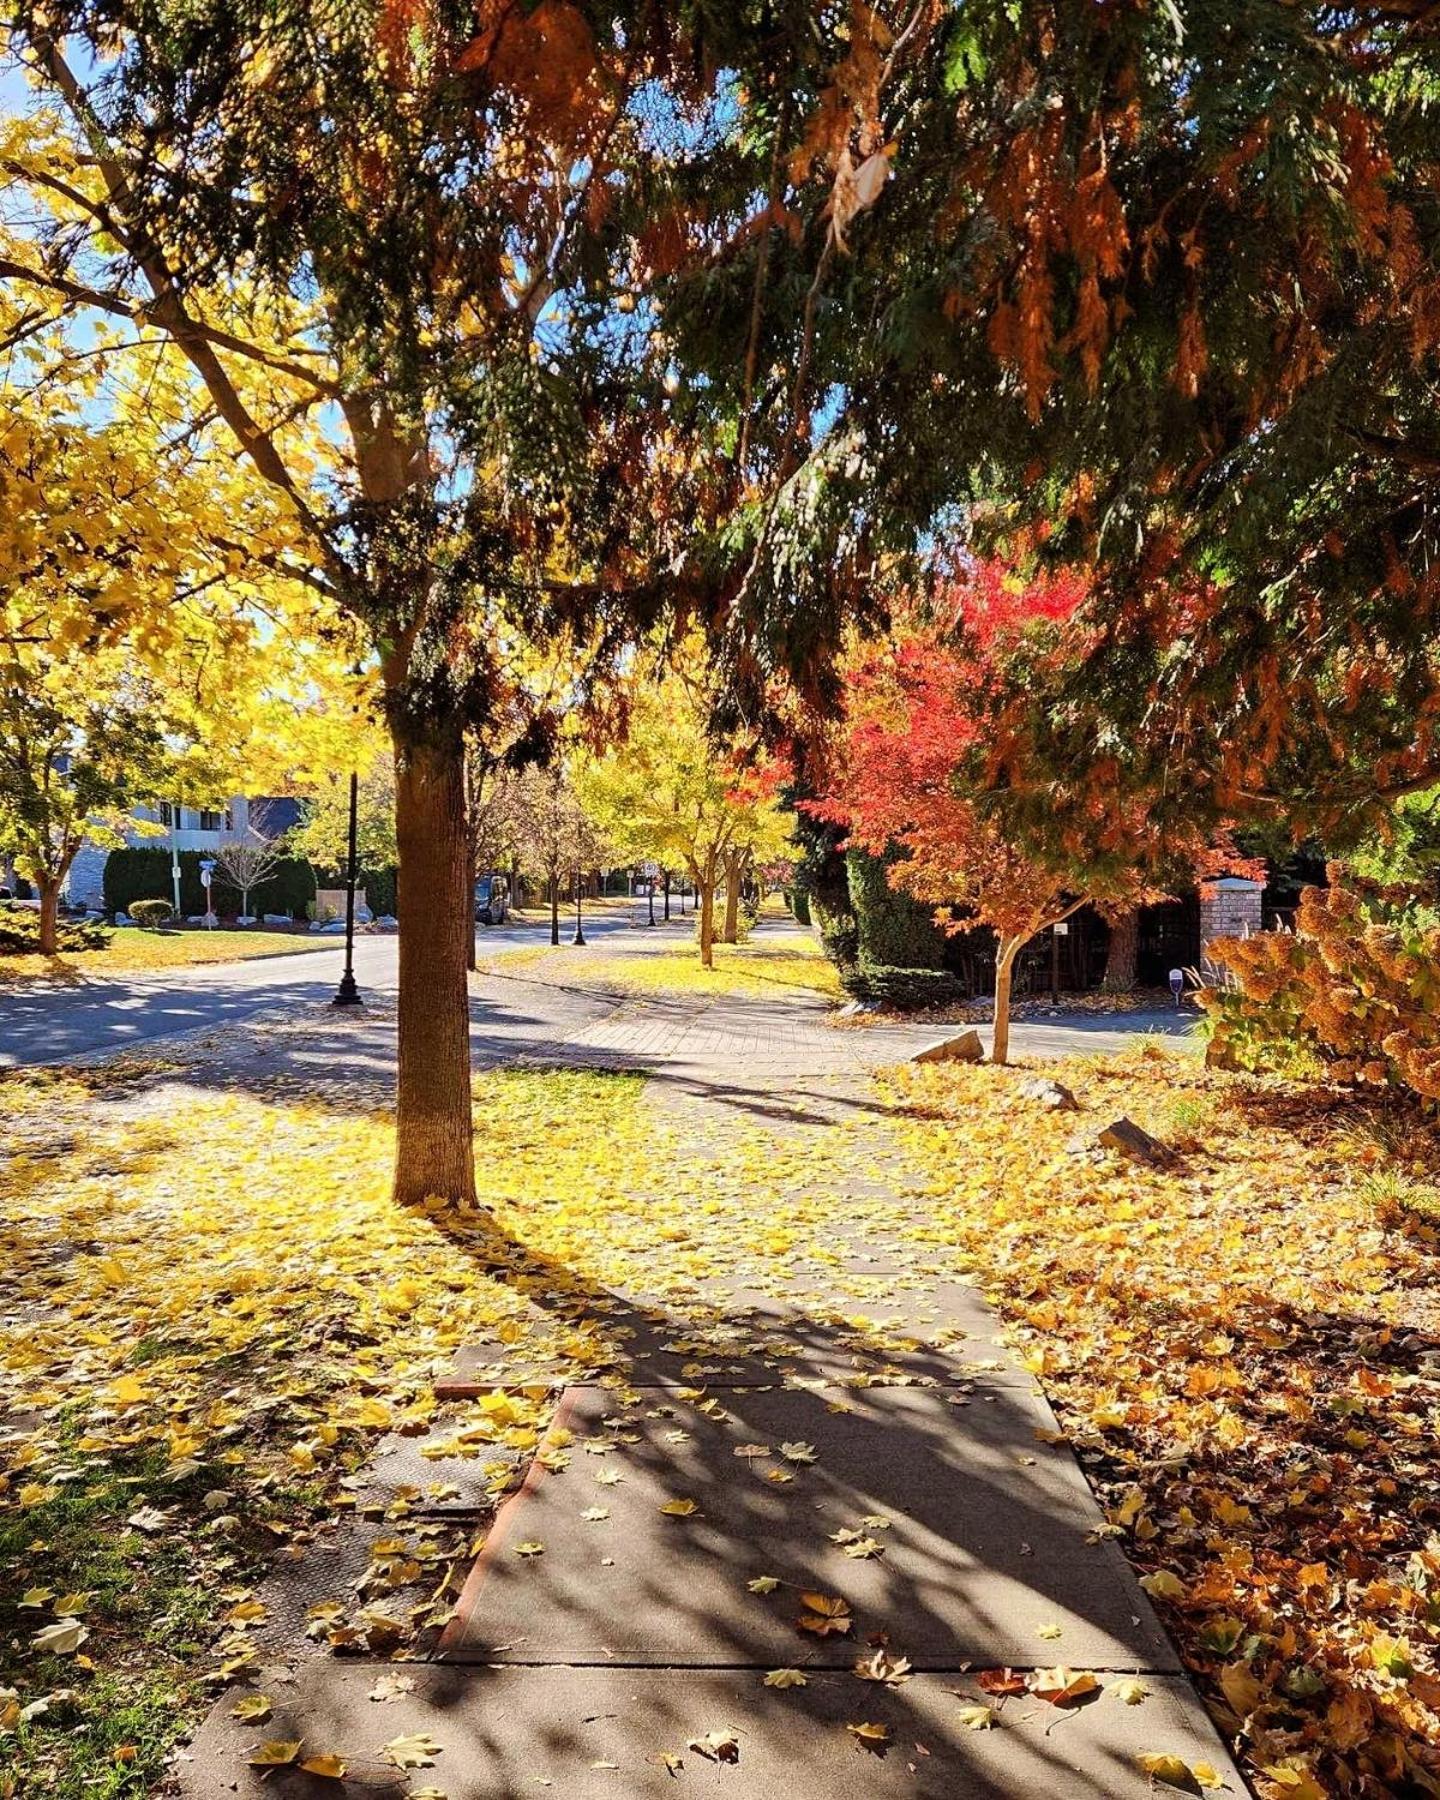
[905,990]
[379,886]
[144,874]
[800,905]
[895,931]
[152,913]
[20,933]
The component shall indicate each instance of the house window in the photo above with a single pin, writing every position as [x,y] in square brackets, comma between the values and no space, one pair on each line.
[210,821]
[167,814]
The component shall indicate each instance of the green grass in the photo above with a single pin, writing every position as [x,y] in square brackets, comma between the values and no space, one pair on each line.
[132,951]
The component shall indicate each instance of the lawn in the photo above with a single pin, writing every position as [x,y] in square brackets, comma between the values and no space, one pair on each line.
[1244,1349]
[132,951]
[761,966]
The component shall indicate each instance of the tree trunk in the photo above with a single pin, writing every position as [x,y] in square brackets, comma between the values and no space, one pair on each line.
[705,886]
[1120,957]
[554,909]
[731,932]
[667,896]
[49,890]
[434,1130]
[1009,949]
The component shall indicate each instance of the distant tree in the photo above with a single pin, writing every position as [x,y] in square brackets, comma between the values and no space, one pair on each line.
[245,862]
[323,834]
[73,763]
[555,835]
[673,793]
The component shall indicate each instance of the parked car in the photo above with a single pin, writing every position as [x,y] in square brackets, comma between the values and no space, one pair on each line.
[492,899]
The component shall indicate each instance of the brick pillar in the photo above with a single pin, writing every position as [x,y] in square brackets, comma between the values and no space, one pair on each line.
[1230,907]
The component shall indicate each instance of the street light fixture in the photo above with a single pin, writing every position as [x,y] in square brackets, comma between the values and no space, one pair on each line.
[348,994]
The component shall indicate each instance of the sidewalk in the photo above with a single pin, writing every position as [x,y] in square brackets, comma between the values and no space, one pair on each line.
[800,1526]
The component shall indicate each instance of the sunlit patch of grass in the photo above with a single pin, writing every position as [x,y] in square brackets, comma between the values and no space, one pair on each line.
[132,951]
[753,968]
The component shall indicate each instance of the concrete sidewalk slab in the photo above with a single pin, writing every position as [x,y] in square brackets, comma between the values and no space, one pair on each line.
[987,1555]
[605,1734]
[940,1332]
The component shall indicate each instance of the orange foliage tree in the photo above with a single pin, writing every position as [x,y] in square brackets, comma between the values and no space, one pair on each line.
[911,772]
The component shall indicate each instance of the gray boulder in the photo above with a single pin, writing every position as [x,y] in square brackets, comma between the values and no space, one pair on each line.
[1127,1138]
[966,1047]
[1051,1094]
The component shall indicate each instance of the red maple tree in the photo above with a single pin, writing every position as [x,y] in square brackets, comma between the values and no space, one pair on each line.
[913,767]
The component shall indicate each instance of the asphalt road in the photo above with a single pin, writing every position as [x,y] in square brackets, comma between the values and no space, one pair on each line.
[42,1023]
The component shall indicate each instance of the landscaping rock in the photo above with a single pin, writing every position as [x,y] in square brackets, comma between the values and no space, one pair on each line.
[1052,1094]
[1126,1137]
[277,919]
[964,1048]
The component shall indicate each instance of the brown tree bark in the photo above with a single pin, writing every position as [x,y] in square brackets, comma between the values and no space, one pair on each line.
[705,885]
[1007,950]
[434,1133]
[49,890]
[734,865]
[1121,955]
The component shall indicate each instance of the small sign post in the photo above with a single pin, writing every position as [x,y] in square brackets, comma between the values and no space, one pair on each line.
[207,875]
[1177,986]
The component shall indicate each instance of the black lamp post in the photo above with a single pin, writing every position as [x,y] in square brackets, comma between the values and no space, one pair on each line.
[579,937]
[347,994]
[650,895]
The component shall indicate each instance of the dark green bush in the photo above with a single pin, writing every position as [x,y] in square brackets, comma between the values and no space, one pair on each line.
[379,886]
[906,990]
[144,874]
[20,932]
[895,931]
[800,905]
[151,913]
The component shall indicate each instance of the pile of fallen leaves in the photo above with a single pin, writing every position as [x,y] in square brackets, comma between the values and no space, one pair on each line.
[1244,1348]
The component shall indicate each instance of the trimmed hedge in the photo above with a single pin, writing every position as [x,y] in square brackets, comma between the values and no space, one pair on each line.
[144,874]
[896,931]
[906,990]
[800,905]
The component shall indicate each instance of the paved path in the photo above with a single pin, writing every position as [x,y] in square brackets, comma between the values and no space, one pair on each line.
[42,1023]
[628,1657]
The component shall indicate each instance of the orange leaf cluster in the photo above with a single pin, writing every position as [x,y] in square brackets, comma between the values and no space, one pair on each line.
[1362,991]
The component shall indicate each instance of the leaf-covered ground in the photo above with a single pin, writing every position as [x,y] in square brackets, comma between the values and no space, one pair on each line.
[758,967]
[1246,1351]
[212,1313]
[135,952]
[211,1310]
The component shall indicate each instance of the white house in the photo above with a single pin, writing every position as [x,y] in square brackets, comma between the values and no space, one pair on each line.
[183,828]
